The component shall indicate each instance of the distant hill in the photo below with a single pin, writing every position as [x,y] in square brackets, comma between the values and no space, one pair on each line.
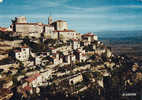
[119,34]
[120,37]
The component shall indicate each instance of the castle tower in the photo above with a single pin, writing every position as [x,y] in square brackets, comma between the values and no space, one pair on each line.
[21,19]
[49,20]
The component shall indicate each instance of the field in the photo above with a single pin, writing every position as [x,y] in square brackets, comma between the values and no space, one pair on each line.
[132,50]
[127,43]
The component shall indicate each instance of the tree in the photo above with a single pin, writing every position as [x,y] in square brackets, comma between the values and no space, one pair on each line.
[26,40]
[87,77]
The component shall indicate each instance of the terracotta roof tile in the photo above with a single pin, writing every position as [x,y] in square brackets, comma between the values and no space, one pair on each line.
[3,29]
[27,88]
[33,77]
[24,47]
[75,39]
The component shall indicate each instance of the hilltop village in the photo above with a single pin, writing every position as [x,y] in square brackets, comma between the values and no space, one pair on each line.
[44,61]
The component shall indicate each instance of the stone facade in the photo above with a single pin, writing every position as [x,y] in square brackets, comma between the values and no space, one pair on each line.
[49,29]
[34,80]
[28,27]
[22,28]
[60,25]
[55,30]
[38,60]
[6,67]
[21,19]
[23,54]
[75,44]
[76,79]
[89,37]
[65,34]
[50,20]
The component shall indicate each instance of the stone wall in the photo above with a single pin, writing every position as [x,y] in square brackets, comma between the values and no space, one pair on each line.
[62,25]
[29,28]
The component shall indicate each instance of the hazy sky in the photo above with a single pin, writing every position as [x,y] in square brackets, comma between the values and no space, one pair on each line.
[81,15]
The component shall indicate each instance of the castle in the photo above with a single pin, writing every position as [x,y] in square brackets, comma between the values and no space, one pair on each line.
[54,29]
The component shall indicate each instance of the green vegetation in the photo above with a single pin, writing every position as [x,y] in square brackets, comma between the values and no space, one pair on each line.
[6,61]
[7,36]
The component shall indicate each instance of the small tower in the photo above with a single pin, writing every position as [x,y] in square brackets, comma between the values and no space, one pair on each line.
[21,19]
[49,20]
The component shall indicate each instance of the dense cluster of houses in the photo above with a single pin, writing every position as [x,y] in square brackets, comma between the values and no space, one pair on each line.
[35,69]
[65,54]
[69,54]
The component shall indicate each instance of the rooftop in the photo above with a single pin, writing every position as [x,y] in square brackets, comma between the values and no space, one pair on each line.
[64,30]
[24,47]
[19,49]
[59,21]
[27,88]
[75,40]
[3,29]
[88,34]
[33,77]
[39,24]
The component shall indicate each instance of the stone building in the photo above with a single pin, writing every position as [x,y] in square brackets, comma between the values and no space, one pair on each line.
[76,79]
[22,54]
[29,27]
[38,60]
[48,31]
[56,30]
[21,27]
[35,80]
[89,37]
[65,34]
[21,19]
[108,52]
[75,44]
[60,25]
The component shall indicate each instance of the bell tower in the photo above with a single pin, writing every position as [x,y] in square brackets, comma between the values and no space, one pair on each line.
[49,20]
